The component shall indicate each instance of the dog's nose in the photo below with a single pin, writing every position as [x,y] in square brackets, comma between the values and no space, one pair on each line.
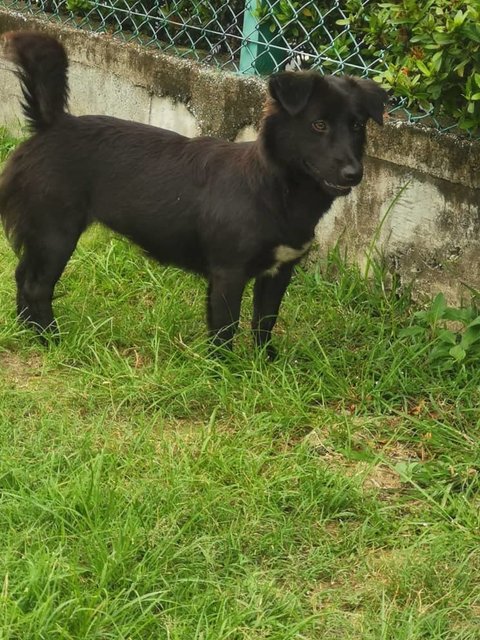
[352,173]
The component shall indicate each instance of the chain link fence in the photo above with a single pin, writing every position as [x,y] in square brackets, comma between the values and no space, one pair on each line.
[245,36]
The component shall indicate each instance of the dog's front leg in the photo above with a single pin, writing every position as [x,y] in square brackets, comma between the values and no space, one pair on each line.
[267,297]
[225,289]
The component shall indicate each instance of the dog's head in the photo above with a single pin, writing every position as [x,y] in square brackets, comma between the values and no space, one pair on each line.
[315,125]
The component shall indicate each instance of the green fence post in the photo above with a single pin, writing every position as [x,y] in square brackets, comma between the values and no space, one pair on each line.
[257,54]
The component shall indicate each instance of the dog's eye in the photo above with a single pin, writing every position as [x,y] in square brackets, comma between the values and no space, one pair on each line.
[319,125]
[357,126]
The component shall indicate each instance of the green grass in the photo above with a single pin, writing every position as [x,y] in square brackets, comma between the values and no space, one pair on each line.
[150,491]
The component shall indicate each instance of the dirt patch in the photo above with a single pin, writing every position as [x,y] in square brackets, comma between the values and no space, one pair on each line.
[374,475]
[380,477]
[20,371]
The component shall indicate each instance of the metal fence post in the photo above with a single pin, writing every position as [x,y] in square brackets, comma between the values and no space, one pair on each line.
[257,54]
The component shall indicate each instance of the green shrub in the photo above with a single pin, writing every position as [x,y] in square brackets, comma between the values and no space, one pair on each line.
[433,55]
[430,50]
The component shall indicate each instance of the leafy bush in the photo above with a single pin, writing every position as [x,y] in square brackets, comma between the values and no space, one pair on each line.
[430,50]
[432,55]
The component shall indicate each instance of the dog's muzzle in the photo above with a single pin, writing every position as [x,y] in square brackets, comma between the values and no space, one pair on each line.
[330,187]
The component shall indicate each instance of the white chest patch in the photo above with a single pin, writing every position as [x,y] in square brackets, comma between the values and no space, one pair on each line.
[283,253]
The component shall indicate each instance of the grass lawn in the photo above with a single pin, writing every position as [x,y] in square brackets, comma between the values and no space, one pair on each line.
[148,491]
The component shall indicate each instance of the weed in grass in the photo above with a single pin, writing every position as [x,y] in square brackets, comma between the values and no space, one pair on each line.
[450,347]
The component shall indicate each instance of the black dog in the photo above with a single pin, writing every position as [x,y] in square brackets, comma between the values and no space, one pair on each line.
[227,211]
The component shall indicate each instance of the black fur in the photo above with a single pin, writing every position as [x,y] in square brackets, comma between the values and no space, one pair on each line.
[227,211]
[42,69]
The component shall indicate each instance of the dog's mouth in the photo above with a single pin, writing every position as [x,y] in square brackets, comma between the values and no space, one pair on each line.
[339,188]
[330,187]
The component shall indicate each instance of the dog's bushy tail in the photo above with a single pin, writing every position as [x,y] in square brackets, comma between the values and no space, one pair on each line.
[42,67]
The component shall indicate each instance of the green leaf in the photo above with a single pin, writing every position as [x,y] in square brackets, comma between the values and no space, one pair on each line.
[458,353]
[470,336]
[442,38]
[406,469]
[423,68]
[447,336]
[475,323]
[438,307]
[459,18]
[441,352]
[472,32]
[461,314]
[411,331]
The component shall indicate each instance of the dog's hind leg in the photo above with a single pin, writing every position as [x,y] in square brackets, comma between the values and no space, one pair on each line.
[42,263]
[225,291]
[268,293]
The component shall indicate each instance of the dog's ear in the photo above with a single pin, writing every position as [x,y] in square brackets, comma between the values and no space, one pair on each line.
[374,98]
[291,89]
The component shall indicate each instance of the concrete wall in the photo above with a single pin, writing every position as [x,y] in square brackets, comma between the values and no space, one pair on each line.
[419,203]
